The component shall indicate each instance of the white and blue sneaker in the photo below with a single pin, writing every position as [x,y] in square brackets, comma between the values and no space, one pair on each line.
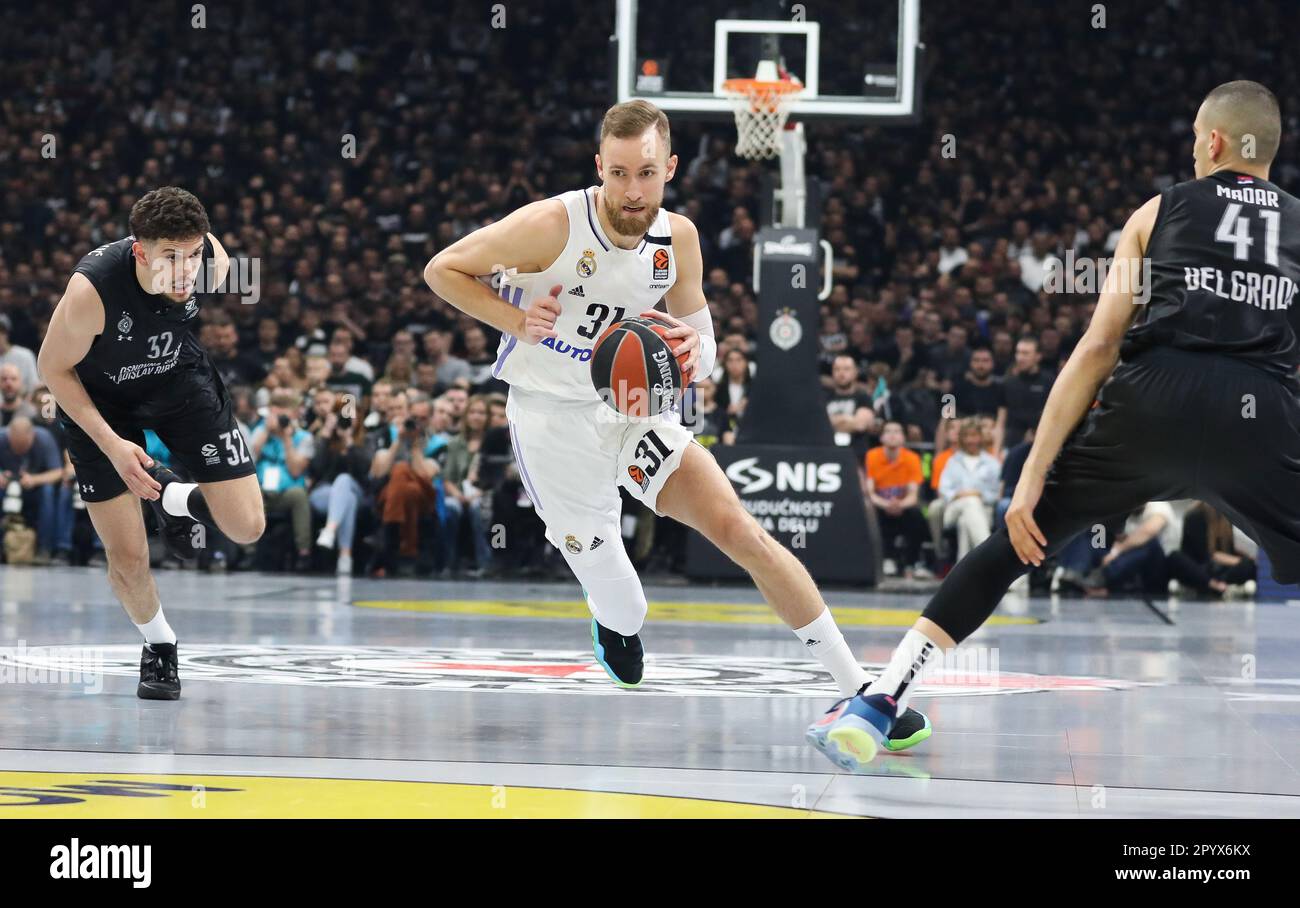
[911,728]
[862,728]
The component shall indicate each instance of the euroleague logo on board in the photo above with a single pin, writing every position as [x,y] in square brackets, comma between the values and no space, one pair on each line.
[536,671]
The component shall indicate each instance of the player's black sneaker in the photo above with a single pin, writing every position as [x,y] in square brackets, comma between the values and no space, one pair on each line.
[177,532]
[621,657]
[911,729]
[159,677]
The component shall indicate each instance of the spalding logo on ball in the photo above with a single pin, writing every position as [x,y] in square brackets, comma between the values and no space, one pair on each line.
[635,370]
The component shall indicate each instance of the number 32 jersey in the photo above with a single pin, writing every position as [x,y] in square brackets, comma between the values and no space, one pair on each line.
[147,348]
[601,283]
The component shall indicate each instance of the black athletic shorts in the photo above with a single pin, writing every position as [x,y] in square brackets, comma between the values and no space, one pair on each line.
[195,418]
[1171,424]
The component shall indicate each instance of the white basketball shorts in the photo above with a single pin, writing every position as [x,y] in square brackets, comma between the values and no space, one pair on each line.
[573,455]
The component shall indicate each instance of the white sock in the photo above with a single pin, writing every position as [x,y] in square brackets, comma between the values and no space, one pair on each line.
[176,500]
[157,630]
[823,639]
[917,653]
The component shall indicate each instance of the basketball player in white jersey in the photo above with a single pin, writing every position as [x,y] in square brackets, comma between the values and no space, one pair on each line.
[568,267]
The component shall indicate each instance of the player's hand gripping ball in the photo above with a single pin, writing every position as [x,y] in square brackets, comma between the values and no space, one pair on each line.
[637,368]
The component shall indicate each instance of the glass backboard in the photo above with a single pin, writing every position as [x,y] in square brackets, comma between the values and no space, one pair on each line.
[855,58]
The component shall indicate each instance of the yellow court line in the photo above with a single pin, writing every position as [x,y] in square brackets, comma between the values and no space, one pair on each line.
[61,795]
[701,612]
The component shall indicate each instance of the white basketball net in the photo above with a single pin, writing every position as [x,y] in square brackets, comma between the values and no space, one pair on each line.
[761,111]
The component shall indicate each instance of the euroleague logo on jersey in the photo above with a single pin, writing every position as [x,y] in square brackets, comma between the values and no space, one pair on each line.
[661,265]
[538,671]
[639,477]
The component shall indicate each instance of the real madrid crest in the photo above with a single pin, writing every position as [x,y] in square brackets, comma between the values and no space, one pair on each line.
[573,545]
[786,331]
[587,264]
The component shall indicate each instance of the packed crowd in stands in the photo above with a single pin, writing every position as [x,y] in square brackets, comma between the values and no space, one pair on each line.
[341,148]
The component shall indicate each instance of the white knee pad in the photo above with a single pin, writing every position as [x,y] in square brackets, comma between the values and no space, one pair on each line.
[613,589]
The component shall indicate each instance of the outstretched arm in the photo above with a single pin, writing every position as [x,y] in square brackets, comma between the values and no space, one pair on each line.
[77,320]
[1075,388]
[529,239]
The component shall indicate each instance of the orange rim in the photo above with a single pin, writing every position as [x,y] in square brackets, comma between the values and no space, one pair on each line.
[762,94]
[752,86]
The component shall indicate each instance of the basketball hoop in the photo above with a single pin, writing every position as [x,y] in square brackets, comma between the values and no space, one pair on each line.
[761,108]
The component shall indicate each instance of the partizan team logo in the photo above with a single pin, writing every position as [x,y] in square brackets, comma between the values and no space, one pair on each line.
[529,671]
[786,332]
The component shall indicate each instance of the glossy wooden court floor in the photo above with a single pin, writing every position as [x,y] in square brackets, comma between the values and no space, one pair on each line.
[307,696]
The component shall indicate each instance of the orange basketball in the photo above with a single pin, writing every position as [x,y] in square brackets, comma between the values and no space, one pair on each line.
[636,370]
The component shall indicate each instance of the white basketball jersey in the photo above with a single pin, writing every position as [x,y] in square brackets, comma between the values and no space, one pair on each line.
[602,284]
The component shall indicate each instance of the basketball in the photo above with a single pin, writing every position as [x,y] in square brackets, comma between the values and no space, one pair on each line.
[634,369]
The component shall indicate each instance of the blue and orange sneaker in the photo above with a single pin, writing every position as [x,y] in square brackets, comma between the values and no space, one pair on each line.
[622,658]
[863,726]
[911,729]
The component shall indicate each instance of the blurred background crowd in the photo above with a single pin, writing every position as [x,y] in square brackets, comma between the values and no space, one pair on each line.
[342,147]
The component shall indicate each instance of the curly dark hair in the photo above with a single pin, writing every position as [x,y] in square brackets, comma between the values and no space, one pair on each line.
[169,213]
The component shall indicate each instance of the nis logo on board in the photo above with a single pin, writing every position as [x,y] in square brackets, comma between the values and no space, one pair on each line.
[749,477]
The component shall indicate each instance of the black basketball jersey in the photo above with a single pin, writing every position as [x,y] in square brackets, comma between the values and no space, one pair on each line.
[1224,255]
[147,339]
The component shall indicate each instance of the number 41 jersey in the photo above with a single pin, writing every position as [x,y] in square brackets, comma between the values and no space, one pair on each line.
[1225,266]
[601,283]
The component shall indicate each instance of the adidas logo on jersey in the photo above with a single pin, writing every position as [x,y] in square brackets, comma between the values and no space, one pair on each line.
[577,291]
[594,543]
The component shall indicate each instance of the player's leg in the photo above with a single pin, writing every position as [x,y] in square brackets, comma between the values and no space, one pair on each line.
[689,486]
[966,598]
[207,440]
[566,463]
[118,520]
[616,600]
[234,506]
[697,493]
[1137,445]
[1252,471]
[120,525]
